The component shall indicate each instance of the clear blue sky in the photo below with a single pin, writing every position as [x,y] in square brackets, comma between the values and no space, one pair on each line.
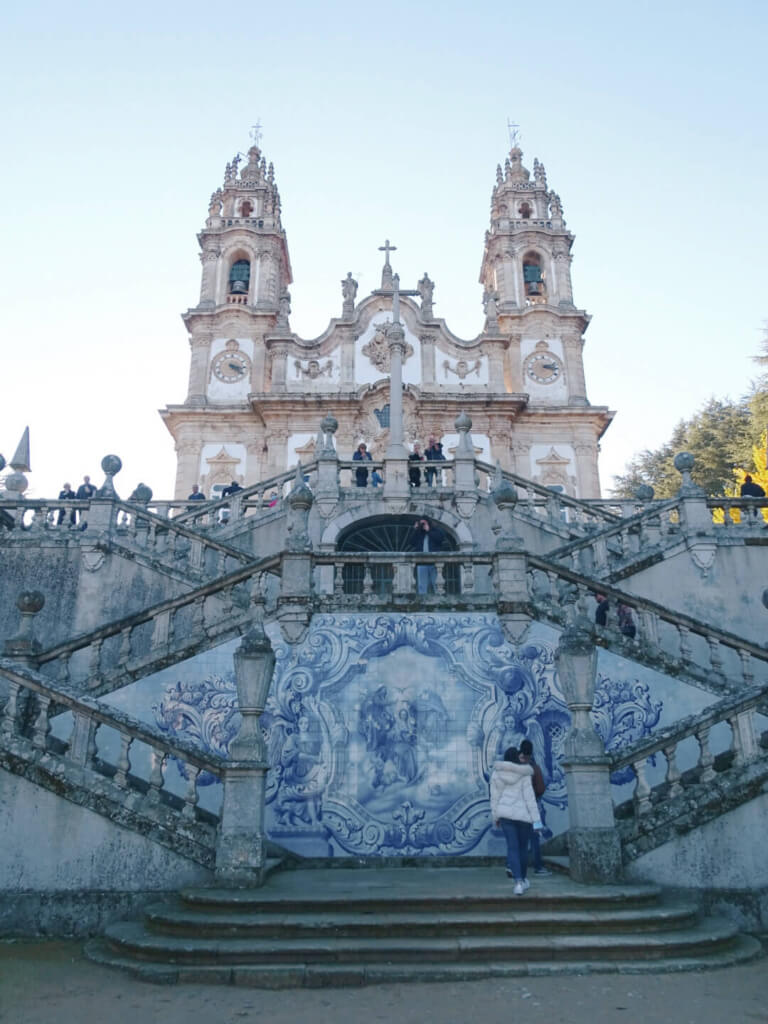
[383,120]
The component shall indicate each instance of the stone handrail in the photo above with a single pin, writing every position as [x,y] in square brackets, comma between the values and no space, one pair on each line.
[629,539]
[133,782]
[579,510]
[104,658]
[45,513]
[170,540]
[251,498]
[741,749]
[667,640]
[750,510]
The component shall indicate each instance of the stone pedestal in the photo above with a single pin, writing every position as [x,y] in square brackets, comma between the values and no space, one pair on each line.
[240,848]
[593,840]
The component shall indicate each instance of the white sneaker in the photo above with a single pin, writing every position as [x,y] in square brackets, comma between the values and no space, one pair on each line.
[525,884]
[519,889]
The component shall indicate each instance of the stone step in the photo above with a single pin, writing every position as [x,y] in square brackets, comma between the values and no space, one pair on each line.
[179,920]
[131,938]
[297,975]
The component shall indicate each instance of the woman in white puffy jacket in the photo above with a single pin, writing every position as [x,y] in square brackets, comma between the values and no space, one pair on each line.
[515,811]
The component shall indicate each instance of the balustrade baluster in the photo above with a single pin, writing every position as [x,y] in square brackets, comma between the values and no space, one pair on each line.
[158,761]
[338,579]
[599,554]
[367,581]
[642,794]
[196,552]
[152,536]
[198,615]
[706,758]
[743,736]
[468,578]
[747,674]
[64,674]
[161,629]
[440,579]
[191,796]
[715,654]
[648,626]
[684,635]
[552,509]
[8,724]
[120,777]
[125,645]
[94,669]
[554,591]
[82,744]
[673,772]
[42,724]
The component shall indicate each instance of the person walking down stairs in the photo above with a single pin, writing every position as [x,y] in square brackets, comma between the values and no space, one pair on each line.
[514,810]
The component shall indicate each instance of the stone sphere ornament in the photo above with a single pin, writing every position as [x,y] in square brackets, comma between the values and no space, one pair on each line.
[463,423]
[111,464]
[16,482]
[2,463]
[142,494]
[684,462]
[329,424]
[644,492]
[30,602]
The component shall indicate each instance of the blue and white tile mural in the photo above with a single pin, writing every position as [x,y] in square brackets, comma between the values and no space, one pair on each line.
[381,729]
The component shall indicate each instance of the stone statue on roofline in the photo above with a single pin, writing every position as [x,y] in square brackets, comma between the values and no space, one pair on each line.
[426,289]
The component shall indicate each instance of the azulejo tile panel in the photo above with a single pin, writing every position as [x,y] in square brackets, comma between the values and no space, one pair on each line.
[382,729]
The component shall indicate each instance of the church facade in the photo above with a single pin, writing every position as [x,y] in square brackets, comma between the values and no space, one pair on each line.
[257,390]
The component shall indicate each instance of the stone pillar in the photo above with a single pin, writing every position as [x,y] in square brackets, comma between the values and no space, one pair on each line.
[586,462]
[240,846]
[593,839]
[198,370]
[279,363]
[574,367]
[427,359]
[209,259]
[396,464]
[23,648]
[293,605]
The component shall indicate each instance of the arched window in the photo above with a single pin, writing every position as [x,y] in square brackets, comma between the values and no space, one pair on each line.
[525,211]
[534,278]
[246,208]
[388,535]
[239,277]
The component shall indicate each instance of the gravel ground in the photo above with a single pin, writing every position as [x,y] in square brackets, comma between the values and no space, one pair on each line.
[52,983]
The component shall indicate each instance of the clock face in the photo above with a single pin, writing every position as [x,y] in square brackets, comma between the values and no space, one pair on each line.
[543,367]
[231,366]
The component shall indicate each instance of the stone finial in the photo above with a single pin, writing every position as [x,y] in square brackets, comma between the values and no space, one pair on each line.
[300,496]
[465,448]
[142,494]
[2,463]
[504,496]
[24,644]
[684,463]
[20,460]
[329,424]
[765,598]
[644,492]
[328,427]
[499,175]
[111,465]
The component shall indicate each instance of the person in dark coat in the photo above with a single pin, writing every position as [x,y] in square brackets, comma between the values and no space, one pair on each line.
[361,455]
[233,488]
[66,494]
[414,472]
[426,538]
[196,495]
[749,489]
[434,453]
[601,612]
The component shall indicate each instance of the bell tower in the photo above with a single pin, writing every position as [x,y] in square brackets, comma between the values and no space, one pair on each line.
[526,270]
[244,302]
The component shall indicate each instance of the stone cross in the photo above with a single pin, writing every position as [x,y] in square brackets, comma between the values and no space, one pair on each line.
[386,273]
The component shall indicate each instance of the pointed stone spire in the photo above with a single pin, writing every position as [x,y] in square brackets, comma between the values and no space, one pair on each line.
[20,460]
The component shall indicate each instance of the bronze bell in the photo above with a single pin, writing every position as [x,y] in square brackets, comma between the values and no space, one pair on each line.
[239,287]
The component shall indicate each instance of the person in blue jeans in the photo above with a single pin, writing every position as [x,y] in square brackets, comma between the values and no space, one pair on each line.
[515,812]
[539,788]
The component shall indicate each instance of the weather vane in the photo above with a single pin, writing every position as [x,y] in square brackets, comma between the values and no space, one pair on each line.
[514,133]
[255,133]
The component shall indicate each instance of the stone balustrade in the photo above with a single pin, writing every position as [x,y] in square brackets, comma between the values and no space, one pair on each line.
[117,764]
[741,746]
[255,500]
[376,579]
[666,640]
[163,634]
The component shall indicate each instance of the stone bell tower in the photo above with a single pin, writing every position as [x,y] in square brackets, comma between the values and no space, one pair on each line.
[526,276]
[244,300]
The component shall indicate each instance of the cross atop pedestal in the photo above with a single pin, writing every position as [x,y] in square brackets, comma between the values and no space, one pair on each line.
[386,273]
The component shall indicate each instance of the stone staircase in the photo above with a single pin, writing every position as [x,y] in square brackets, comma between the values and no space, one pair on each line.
[347,926]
